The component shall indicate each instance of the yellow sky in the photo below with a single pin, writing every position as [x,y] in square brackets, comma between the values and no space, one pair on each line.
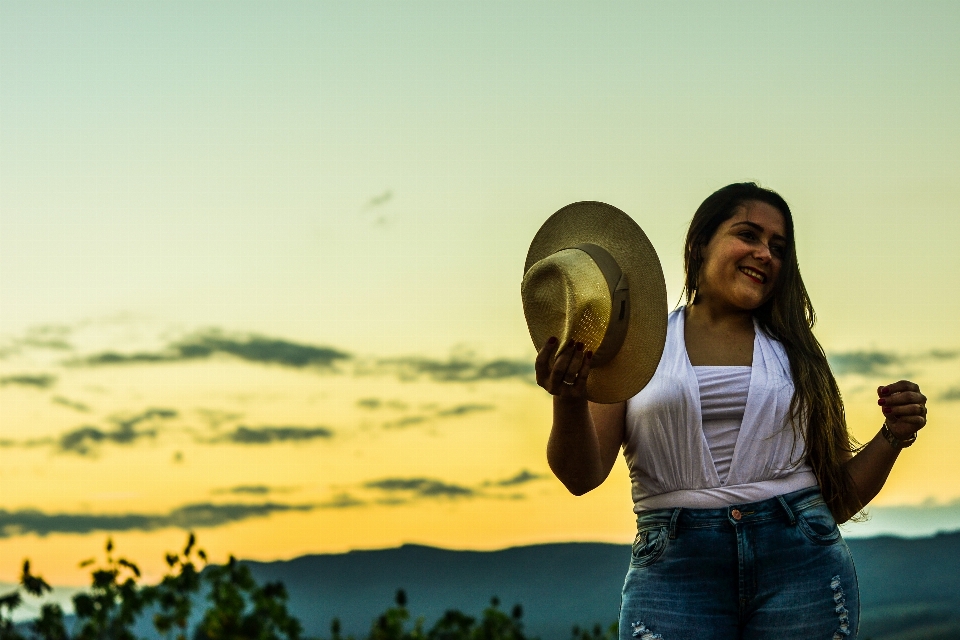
[365,453]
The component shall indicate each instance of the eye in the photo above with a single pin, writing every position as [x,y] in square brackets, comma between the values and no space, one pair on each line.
[749,235]
[778,250]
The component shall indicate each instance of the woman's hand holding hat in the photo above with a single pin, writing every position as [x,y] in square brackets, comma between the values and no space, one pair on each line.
[567,377]
[593,278]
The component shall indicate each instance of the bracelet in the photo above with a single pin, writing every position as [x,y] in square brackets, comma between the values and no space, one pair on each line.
[895,442]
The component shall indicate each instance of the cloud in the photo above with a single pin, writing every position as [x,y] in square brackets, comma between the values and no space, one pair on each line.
[28,521]
[421,487]
[269,435]
[84,440]
[342,501]
[43,337]
[36,442]
[380,200]
[452,412]
[862,362]
[149,414]
[251,490]
[455,369]
[41,381]
[70,404]
[251,349]
[950,395]
[464,409]
[406,421]
[522,477]
[376,403]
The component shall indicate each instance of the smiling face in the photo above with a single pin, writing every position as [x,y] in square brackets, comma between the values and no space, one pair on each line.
[742,261]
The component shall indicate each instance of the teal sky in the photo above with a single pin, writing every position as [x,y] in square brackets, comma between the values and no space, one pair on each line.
[370,174]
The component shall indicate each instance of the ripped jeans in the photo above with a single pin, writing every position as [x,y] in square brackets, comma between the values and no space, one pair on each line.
[771,569]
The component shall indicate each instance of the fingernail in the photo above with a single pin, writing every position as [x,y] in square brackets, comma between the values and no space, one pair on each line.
[881,401]
[589,354]
[579,346]
[887,409]
[885,391]
[552,340]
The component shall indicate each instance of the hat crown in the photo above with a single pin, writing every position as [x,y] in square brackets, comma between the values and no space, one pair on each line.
[567,296]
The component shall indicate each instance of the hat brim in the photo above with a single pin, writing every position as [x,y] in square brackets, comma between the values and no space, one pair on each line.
[602,224]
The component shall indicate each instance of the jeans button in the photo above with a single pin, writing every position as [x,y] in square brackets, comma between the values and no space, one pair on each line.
[736,514]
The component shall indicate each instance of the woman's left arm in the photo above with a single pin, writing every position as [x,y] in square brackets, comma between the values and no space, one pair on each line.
[905,410]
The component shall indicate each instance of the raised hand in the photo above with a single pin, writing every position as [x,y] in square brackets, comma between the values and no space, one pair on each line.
[567,376]
[904,408]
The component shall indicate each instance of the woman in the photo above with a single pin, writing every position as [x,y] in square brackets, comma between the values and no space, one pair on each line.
[740,459]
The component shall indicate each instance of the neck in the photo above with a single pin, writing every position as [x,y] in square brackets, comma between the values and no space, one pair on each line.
[704,313]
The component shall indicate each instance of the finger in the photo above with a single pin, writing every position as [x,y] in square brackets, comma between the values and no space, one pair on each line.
[541,365]
[573,369]
[905,411]
[898,387]
[581,386]
[561,364]
[902,398]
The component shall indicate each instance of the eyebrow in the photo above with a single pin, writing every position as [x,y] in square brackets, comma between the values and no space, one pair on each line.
[754,225]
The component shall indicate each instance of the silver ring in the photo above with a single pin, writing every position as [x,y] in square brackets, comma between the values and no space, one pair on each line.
[569,383]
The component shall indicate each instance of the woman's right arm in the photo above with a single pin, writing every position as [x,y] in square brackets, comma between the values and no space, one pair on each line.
[586,437]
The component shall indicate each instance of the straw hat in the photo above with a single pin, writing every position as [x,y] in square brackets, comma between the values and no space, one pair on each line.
[592,275]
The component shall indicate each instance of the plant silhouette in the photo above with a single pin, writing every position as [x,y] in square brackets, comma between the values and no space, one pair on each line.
[237,608]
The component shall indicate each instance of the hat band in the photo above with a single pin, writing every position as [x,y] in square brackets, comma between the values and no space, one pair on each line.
[619,302]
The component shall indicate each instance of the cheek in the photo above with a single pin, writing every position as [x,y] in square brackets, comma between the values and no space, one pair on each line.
[776,277]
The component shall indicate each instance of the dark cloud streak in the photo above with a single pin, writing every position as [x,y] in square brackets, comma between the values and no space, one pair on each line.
[455,369]
[521,478]
[251,349]
[28,521]
[861,362]
[950,395]
[269,435]
[421,487]
[41,381]
[84,440]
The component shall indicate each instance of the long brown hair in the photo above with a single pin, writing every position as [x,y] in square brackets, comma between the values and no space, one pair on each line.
[788,316]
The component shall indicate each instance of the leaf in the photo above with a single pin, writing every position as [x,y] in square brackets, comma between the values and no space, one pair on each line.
[123,562]
[35,585]
[11,601]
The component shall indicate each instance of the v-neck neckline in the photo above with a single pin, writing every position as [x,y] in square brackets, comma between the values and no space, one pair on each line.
[692,375]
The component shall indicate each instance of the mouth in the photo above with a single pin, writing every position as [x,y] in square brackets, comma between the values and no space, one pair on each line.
[757,276]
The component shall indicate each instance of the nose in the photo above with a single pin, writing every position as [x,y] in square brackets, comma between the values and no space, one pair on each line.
[763,252]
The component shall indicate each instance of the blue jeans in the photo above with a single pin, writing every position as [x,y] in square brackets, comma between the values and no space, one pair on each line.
[771,569]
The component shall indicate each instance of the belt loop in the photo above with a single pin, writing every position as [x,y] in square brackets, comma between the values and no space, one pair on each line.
[673,523]
[786,507]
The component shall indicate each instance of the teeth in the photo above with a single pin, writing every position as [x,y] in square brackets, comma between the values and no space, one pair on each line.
[756,274]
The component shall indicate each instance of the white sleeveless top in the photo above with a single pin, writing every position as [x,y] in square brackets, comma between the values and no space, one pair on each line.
[723,399]
[669,455]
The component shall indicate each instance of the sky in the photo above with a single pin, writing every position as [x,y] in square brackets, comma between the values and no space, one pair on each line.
[260,262]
